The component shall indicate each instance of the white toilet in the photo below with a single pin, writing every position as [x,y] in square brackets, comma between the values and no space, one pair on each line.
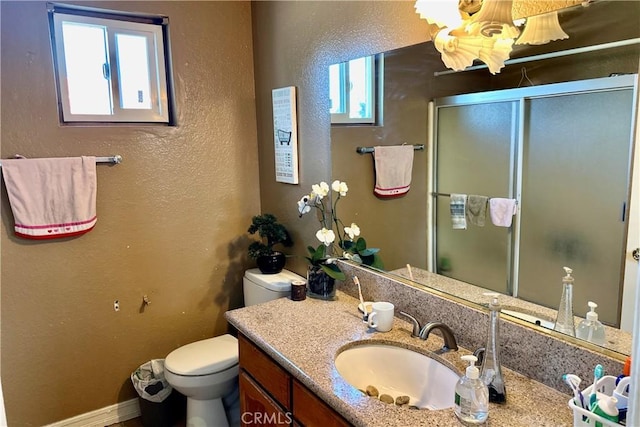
[259,288]
[206,371]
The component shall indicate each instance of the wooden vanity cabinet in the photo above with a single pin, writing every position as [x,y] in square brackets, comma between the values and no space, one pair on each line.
[310,411]
[257,407]
[270,396]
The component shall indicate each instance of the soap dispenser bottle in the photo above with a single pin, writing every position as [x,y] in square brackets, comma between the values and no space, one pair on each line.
[471,396]
[591,329]
[564,320]
[491,373]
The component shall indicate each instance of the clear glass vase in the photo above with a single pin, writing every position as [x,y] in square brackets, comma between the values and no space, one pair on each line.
[564,320]
[319,284]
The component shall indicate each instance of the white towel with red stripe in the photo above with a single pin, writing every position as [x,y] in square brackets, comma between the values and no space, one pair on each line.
[51,198]
[393,165]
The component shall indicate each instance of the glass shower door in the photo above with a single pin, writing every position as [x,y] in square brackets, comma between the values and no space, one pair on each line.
[574,186]
[475,150]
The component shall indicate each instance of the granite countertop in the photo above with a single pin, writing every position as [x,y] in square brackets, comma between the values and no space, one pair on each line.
[617,340]
[304,338]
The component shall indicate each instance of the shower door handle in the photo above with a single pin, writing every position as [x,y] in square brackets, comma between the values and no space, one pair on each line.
[636,254]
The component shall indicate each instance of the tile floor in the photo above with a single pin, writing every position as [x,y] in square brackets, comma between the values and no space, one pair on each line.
[156,416]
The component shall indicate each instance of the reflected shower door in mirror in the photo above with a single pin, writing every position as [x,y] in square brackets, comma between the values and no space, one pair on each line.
[563,152]
[474,155]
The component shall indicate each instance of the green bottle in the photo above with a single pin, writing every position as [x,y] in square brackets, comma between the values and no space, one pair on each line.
[606,408]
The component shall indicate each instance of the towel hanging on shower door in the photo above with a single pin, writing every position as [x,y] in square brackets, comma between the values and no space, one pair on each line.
[457,207]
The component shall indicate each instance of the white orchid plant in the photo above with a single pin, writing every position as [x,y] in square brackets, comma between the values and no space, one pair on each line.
[347,239]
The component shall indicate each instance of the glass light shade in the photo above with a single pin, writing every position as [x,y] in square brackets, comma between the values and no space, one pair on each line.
[494,20]
[494,52]
[443,13]
[456,52]
[542,29]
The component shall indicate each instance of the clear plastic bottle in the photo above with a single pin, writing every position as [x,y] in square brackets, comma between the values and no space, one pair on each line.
[472,396]
[564,320]
[591,329]
[491,373]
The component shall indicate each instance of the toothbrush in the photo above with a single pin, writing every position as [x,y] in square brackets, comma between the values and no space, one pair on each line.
[410,272]
[574,381]
[365,314]
[598,372]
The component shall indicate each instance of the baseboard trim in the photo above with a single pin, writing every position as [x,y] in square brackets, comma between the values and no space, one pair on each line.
[108,415]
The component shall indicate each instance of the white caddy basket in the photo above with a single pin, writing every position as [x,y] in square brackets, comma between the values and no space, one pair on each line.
[584,418]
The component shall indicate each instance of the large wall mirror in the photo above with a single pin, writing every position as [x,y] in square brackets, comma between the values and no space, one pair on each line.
[414,76]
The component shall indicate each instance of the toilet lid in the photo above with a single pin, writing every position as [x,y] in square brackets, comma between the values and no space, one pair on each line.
[204,357]
[279,282]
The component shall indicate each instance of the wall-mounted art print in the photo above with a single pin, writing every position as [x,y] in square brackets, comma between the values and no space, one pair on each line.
[285,134]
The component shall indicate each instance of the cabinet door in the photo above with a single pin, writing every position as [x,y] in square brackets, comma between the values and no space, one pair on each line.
[264,370]
[309,410]
[257,408]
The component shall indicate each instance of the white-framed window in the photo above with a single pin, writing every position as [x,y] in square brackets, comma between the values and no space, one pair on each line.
[111,66]
[353,90]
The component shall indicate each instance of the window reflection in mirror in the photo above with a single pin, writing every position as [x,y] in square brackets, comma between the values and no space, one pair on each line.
[352,91]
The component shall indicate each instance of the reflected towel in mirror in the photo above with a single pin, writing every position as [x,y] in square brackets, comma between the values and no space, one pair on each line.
[393,167]
[476,210]
[502,211]
[457,203]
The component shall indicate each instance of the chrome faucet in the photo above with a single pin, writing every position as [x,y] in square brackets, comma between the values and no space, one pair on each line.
[447,334]
[423,332]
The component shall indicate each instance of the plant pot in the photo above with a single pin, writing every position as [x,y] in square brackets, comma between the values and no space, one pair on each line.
[271,264]
[319,284]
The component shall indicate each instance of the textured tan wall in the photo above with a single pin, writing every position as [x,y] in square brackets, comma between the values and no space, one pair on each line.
[294,44]
[170,218]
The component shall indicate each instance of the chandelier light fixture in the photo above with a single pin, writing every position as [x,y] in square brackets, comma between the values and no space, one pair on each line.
[456,52]
[464,31]
[493,20]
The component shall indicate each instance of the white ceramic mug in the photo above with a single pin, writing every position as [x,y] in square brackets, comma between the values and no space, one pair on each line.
[381,318]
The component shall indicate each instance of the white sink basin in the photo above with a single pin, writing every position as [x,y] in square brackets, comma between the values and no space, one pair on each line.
[397,371]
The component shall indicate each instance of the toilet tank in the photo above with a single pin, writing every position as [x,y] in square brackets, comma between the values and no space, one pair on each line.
[259,288]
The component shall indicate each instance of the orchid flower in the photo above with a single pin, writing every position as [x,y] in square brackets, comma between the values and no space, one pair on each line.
[319,190]
[326,236]
[303,205]
[340,187]
[352,231]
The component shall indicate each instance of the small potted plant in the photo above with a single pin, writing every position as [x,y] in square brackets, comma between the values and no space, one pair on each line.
[271,233]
